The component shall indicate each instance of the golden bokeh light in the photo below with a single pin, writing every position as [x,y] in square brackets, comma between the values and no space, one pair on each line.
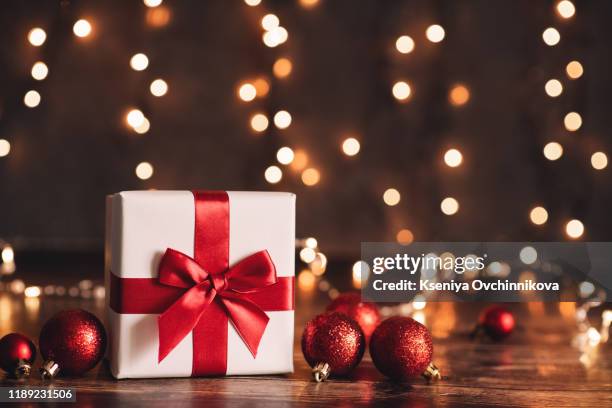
[5,147]
[553,151]
[572,121]
[135,118]
[32,292]
[31,99]
[449,206]
[143,127]
[350,146]
[82,28]
[152,3]
[404,237]
[247,92]
[401,91]
[259,122]
[435,33]
[8,254]
[300,160]
[39,71]
[599,160]
[282,119]
[158,16]
[262,87]
[459,95]
[538,215]
[307,255]
[311,177]
[285,155]
[139,62]
[144,170]
[252,3]
[37,36]
[391,197]
[453,158]
[273,174]
[306,280]
[307,4]
[282,67]
[311,242]
[404,44]
[270,22]
[551,36]
[275,37]
[574,229]
[566,9]
[158,87]
[553,88]
[574,69]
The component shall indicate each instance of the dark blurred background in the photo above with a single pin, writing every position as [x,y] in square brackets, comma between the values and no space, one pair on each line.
[481,90]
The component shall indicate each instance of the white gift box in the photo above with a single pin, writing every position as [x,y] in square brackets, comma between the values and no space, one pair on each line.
[142,225]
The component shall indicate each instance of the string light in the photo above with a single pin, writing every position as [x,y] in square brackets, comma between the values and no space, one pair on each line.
[285,155]
[459,95]
[404,44]
[273,174]
[574,229]
[82,28]
[300,160]
[350,146]
[32,292]
[401,90]
[259,122]
[158,87]
[270,22]
[5,147]
[551,36]
[435,33]
[574,70]
[311,177]
[152,3]
[449,206]
[135,118]
[404,236]
[453,158]
[39,71]
[143,127]
[391,197]
[538,215]
[572,121]
[139,62]
[252,3]
[31,99]
[553,88]
[599,160]
[553,151]
[37,36]
[247,92]
[282,68]
[144,170]
[282,119]
[566,9]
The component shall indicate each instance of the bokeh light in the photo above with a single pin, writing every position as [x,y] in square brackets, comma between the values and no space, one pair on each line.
[262,87]
[273,174]
[275,37]
[5,147]
[449,206]
[551,36]
[574,69]
[143,127]
[459,95]
[574,229]
[566,9]
[300,160]
[401,90]
[285,155]
[538,215]
[144,170]
[252,3]
[37,36]
[259,122]
[307,4]
[152,3]
[404,44]
[435,33]
[82,28]
[599,160]
[553,88]
[350,146]
[282,119]
[311,177]
[453,158]
[39,71]
[553,151]
[139,62]
[158,87]
[270,22]
[282,67]
[391,197]
[404,236]
[31,99]
[247,92]
[158,17]
[572,121]
[135,118]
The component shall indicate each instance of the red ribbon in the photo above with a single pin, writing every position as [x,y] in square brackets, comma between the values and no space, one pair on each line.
[201,294]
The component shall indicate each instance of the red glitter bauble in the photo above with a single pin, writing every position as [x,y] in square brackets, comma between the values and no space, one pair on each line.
[497,322]
[335,339]
[366,314]
[401,348]
[16,349]
[74,339]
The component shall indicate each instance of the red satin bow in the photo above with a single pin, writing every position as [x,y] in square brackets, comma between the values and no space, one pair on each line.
[227,288]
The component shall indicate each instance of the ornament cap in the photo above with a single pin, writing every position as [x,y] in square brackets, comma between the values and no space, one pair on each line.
[432,373]
[321,372]
[49,369]
[23,369]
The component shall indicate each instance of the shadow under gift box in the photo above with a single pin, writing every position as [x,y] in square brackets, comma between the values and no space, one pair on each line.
[141,225]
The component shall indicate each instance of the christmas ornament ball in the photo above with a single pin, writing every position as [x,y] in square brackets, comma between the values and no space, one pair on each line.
[402,348]
[17,353]
[366,314]
[335,340]
[497,322]
[71,342]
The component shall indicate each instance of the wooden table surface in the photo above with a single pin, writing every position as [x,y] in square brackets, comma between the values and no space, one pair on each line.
[536,367]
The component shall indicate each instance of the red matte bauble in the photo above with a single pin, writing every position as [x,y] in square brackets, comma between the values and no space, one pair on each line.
[366,314]
[16,348]
[335,339]
[497,322]
[401,348]
[74,339]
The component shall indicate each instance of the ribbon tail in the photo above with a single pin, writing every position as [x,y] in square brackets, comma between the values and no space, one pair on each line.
[180,318]
[248,319]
